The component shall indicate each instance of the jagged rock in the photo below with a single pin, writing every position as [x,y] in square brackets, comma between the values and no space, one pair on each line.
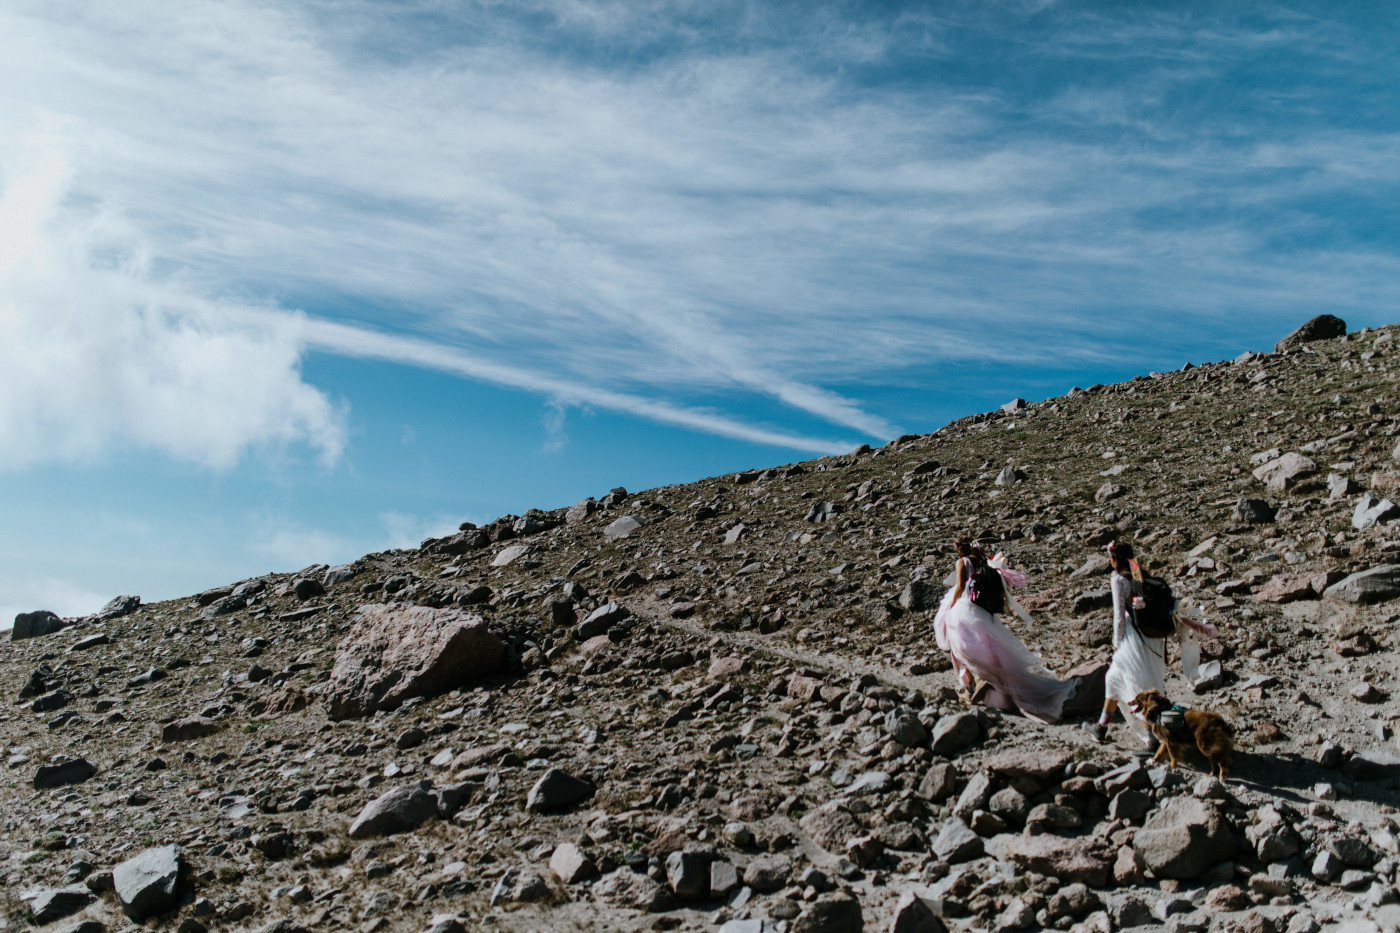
[570,864]
[1069,860]
[57,903]
[306,588]
[394,653]
[626,888]
[151,883]
[1091,601]
[335,576]
[724,877]
[830,913]
[510,555]
[912,915]
[830,826]
[1376,585]
[188,728]
[688,875]
[400,810]
[952,734]
[600,620]
[119,606]
[1009,476]
[768,873]
[520,886]
[1283,473]
[1287,588]
[938,782]
[920,596]
[1109,491]
[89,642]
[1321,327]
[622,527]
[556,790]
[35,625]
[62,771]
[1371,511]
[974,796]
[822,512]
[1041,764]
[1183,838]
[1254,512]
[957,842]
[905,728]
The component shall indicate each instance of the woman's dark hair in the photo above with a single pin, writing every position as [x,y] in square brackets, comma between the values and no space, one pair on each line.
[966,547]
[1120,556]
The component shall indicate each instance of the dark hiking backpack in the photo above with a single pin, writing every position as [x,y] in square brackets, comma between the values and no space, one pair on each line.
[988,590]
[1155,620]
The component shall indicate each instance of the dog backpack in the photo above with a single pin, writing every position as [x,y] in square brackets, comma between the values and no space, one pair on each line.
[1155,620]
[988,590]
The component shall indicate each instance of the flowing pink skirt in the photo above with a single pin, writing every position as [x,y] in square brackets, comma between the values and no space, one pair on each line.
[981,644]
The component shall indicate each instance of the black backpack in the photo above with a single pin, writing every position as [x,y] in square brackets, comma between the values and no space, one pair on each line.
[1155,620]
[987,588]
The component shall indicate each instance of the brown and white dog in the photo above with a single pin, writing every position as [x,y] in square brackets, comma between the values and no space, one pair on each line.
[1175,727]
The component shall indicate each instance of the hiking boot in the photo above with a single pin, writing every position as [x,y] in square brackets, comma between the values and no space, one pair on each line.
[1148,750]
[1098,730]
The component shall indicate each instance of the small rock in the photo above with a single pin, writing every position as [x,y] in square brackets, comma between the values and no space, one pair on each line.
[626,888]
[556,790]
[400,810]
[188,728]
[912,915]
[768,873]
[63,771]
[57,903]
[957,842]
[952,734]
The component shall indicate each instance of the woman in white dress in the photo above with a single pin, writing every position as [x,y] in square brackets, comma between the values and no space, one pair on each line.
[1140,663]
[990,662]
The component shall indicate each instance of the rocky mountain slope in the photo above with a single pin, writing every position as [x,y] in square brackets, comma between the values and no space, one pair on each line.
[719,705]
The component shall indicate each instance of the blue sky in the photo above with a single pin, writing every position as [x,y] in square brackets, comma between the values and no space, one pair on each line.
[290,282]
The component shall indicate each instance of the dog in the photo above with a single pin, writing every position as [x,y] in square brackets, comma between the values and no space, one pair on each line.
[1174,727]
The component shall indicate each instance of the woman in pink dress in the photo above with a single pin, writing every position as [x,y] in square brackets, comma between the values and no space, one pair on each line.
[990,662]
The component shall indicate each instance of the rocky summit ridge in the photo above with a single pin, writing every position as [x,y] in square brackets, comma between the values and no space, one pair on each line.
[719,705]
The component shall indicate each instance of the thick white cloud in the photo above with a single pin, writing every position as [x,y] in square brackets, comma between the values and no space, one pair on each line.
[97,353]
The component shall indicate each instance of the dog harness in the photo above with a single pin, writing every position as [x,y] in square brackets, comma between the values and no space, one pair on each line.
[1172,718]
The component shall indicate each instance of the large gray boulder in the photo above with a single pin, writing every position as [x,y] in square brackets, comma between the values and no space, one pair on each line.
[394,653]
[1322,327]
[1183,838]
[1376,585]
[151,883]
[400,810]
[119,606]
[1283,473]
[35,625]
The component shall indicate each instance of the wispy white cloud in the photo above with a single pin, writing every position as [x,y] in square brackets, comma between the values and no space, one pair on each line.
[647,207]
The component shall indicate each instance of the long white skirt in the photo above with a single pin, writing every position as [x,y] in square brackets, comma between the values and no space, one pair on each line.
[1139,664]
[980,643]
